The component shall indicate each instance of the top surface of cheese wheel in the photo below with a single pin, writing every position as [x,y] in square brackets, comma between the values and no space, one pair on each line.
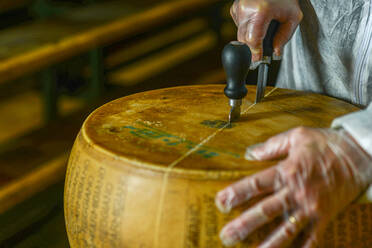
[185,128]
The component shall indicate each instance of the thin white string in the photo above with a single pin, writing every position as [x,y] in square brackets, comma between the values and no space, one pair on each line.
[173,164]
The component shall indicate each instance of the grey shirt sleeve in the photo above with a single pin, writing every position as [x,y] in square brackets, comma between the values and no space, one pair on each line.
[359,125]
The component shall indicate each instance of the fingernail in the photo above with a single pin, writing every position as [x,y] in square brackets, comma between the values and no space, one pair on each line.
[250,153]
[223,201]
[220,206]
[229,237]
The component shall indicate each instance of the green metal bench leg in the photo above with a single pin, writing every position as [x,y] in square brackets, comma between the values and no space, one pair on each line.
[97,77]
[50,94]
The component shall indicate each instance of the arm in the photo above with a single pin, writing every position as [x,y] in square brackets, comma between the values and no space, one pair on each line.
[322,171]
[359,126]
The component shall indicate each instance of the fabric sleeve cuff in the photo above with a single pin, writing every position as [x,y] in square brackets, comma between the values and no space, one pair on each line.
[359,125]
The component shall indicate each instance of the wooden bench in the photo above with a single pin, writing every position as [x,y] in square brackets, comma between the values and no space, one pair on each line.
[33,46]
[35,160]
[41,44]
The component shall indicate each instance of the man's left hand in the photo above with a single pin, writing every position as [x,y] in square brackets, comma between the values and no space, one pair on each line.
[324,170]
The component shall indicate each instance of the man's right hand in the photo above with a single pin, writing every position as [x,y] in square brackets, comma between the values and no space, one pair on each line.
[253,17]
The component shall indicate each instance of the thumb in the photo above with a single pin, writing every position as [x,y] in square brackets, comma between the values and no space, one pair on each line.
[275,147]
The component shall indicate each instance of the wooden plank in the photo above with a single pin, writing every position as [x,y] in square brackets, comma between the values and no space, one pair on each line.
[35,181]
[164,60]
[29,37]
[31,47]
[157,41]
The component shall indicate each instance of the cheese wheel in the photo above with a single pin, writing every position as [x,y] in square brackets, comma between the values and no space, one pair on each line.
[145,168]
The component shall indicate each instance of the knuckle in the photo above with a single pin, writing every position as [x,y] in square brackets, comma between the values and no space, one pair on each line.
[258,8]
[266,211]
[263,7]
[254,43]
[255,184]
[301,131]
[299,16]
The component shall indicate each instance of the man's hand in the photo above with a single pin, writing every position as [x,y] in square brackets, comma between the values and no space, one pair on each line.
[253,17]
[323,171]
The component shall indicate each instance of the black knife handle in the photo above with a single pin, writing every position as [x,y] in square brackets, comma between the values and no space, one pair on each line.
[236,60]
[268,41]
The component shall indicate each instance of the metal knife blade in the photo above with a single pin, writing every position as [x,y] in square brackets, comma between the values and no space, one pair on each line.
[235,110]
[234,114]
[263,72]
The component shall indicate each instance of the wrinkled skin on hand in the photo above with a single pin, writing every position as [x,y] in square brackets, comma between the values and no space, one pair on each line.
[322,172]
[253,17]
